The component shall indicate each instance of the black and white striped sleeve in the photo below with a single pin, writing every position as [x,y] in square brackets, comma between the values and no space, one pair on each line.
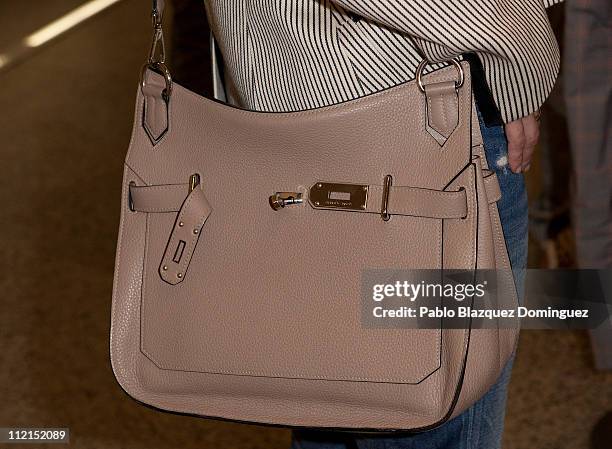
[513,39]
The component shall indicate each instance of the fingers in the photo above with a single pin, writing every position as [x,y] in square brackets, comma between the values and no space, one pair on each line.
[515,134]
[532,134]
[522,135]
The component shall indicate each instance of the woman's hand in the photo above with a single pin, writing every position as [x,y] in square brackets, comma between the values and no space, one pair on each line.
[522,135]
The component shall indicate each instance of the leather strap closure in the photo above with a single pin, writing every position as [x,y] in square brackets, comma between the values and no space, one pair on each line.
[408,201]
[184,237]
[415,202]
[192,214]
[194,210]
[159,198]
[441,109]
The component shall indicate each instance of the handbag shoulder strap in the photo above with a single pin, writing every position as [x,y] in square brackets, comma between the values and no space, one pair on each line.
[217,79]
[158,7]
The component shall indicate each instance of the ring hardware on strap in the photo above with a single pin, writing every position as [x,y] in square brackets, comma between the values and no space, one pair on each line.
[424,63]
[441,103]
[157,53]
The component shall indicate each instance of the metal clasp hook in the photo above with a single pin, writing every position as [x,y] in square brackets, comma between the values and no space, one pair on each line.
[284,199]
[157,56]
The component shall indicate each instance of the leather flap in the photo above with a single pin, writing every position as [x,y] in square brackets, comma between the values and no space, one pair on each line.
[184,237]
[442,109]
[155,107]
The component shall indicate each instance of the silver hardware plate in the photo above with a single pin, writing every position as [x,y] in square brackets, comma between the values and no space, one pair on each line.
[327,195]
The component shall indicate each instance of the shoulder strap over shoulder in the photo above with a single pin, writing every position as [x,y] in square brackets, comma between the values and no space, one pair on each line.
[218,87]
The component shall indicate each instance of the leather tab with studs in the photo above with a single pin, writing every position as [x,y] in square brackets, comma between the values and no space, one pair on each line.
[184,237]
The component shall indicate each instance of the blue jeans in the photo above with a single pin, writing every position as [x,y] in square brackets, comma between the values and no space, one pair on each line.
[480,426]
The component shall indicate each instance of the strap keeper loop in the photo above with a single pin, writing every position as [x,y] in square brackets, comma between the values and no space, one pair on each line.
[384,207]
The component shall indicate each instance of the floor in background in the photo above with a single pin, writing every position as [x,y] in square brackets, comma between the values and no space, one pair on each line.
[65,121]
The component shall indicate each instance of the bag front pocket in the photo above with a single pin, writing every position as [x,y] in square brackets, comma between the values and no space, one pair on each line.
[246,307]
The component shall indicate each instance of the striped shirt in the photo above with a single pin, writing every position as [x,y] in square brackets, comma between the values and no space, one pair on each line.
[288,55]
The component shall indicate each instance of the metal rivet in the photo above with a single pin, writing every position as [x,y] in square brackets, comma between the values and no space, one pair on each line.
[196,230]
[179,275]
[317,203]
[319,185]
[165,268]
[181,224]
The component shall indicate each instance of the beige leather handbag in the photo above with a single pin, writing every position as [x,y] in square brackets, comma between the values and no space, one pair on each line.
[243,239]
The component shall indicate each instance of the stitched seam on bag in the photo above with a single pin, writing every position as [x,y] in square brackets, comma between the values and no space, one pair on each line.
[443,113]
[157,210]
[473,244]
[152,140]
[250,373]
[501,240]
[495,238]
[119,354]
[143,286]
[473,207]
[135,174]
[429,114]
[160,187]
[470,213]
[116,277]
[295,377]
[439,250]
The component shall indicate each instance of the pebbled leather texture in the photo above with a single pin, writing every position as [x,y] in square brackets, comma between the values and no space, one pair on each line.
[266,326]
[155,108]
[441,109]
[184,237]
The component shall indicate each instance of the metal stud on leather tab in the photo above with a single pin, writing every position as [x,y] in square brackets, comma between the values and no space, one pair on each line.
[184,236]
